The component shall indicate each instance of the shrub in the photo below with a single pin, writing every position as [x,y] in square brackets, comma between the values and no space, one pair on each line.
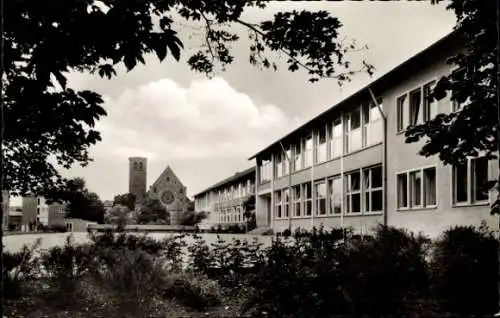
[18,267]
[300,278]
[133,281]
[465,271]
[230,263]
[387,273]
[194,291]
[191,218]
[66,265]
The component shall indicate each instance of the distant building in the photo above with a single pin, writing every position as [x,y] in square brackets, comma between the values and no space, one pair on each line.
[108,204]
[137,177]
[172,194]
[35,211]
[15,218]
[57,214]
[225,200]
[77,225]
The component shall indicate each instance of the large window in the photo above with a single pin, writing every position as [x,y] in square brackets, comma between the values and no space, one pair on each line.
[460,73]
[353,131]
[278,165]
[307,193]
[296,200]
[335,195]
[321,145]
[415,107]
[470,182]
[353,192]
[265,170]
[372,124]
[320,198]
[308,151]
[286,202]
[430,105]
[402,112]
[286,162]
[417,188]
[278,207]
[298,157]
[336,138]
[373,189]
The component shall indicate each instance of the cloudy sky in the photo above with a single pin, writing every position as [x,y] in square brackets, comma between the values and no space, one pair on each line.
[205,129]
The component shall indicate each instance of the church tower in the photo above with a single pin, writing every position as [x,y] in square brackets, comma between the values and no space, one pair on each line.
[137,177]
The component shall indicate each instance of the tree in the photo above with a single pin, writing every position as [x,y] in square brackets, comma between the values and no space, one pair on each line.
[249,213]
[127,199]
[152,211]
[47,119]
[473,130]
[192,218]
[118,215]
[82,203]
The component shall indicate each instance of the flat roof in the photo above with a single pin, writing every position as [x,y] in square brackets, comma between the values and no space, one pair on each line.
[235,177]
[380,83]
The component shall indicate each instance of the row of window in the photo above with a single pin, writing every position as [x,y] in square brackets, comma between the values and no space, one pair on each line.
[230,215]
[230,193]
[361,127]
[361,191]
[415,107]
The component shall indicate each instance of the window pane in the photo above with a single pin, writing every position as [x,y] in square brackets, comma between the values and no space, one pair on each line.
[356,203]
[354,181]
[296,193]
[307,190]
[308,208]
[335,195]
[402,191]
[461,183]
[298,157]
[367,206]
[480,168]
[376,177]
[430,186]
[430,105]
[402,113]
[377,201]
[297,209]
[355,140]
[415,188]
[415,111]
[355,119]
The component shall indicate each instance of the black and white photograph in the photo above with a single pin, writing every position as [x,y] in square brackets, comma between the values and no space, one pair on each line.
[216,158]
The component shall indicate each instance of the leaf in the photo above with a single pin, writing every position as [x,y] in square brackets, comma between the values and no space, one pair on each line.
[174,44]
[130,62]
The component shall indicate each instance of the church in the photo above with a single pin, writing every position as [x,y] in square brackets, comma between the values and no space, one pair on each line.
[167,188]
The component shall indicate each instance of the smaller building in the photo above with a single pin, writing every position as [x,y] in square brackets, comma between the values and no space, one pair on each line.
[35,212]
[15,218]
[77,225]
[225,200]
[57,213]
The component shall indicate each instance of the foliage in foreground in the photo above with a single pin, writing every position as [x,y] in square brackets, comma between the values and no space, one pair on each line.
[100,37]
[309,274]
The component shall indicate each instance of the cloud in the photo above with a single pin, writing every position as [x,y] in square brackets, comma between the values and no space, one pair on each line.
[207,119]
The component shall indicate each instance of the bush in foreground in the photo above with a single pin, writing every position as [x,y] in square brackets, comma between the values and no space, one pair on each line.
[465,271]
